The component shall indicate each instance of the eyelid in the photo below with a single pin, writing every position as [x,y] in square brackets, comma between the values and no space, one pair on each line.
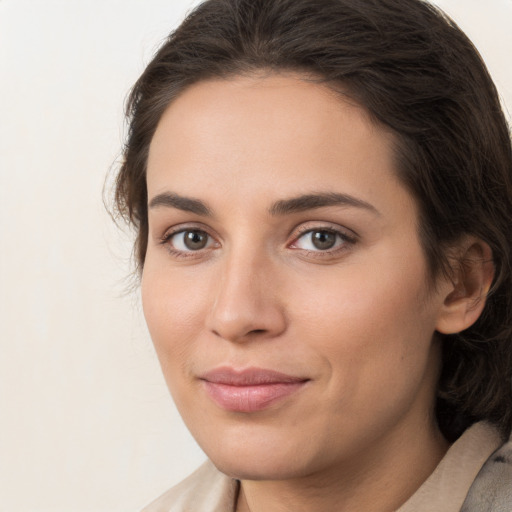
[307,227]
[347,236]
[172,231]
[184,226]
[179,243]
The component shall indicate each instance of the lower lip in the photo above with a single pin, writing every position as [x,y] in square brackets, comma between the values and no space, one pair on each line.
[250,398]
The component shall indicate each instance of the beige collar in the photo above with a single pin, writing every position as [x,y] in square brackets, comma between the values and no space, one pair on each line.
[446,488]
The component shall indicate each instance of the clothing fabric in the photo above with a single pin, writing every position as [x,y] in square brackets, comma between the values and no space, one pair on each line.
[205,490]
[475,475]
[446,488]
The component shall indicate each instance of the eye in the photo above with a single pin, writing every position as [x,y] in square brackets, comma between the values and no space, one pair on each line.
[320,240]
[189,240]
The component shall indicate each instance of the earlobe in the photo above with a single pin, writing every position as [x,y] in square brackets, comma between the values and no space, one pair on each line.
[473,273]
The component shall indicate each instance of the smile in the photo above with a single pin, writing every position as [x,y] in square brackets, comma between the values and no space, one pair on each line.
[249,390]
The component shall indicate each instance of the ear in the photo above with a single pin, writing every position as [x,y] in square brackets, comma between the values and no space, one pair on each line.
[472,275]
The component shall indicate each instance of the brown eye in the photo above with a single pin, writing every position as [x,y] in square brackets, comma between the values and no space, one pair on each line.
[190,240]
[323,240]
[195,240]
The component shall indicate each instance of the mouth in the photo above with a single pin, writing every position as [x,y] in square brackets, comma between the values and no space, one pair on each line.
[249,390]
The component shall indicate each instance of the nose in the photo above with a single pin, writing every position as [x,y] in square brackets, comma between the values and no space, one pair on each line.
[246,303]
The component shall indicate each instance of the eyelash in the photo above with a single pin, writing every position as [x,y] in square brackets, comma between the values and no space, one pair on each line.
[166,240]
[343,240]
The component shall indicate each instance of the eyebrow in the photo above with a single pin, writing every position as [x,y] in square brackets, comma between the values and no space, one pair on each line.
[187,204]
[318,200]
[282,207]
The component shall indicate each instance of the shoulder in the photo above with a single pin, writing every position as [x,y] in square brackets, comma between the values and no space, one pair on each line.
[205,490]
[492,488]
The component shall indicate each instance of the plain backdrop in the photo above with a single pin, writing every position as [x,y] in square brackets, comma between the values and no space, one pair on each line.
[86,422]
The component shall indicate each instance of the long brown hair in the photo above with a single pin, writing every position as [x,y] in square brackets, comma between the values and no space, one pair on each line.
[418,75]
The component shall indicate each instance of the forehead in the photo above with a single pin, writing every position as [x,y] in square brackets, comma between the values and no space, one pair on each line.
[266,134]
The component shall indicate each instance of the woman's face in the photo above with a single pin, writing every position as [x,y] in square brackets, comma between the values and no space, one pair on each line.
[284,286]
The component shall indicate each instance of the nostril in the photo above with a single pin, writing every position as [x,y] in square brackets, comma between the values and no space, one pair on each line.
[248,334]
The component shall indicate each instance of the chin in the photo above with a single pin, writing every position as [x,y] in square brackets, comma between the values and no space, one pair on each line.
[264,458]
[271,468]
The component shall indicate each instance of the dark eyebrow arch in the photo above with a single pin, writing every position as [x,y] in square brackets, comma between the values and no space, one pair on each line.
[187,204]
[319,200]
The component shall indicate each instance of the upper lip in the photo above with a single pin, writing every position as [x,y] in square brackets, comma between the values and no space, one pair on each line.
[248,376]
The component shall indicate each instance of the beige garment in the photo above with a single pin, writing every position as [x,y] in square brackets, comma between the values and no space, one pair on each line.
[446,488]
[208,490]
[205,490]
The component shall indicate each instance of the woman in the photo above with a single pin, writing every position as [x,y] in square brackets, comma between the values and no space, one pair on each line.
[322,193]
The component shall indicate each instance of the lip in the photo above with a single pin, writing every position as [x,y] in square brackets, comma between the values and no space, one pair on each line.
[249,390]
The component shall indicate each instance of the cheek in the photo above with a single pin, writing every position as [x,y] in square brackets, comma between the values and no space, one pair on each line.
[369,325]
[375,343]
[363,300]
[173,307]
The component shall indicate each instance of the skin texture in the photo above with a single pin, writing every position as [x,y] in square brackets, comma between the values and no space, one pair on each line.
[357,320]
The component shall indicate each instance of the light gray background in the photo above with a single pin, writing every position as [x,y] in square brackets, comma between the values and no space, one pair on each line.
[86,423]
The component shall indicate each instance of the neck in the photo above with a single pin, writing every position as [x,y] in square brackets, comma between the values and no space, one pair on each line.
[380,481]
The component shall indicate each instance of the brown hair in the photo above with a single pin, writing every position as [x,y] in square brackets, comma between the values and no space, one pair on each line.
[417,74]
